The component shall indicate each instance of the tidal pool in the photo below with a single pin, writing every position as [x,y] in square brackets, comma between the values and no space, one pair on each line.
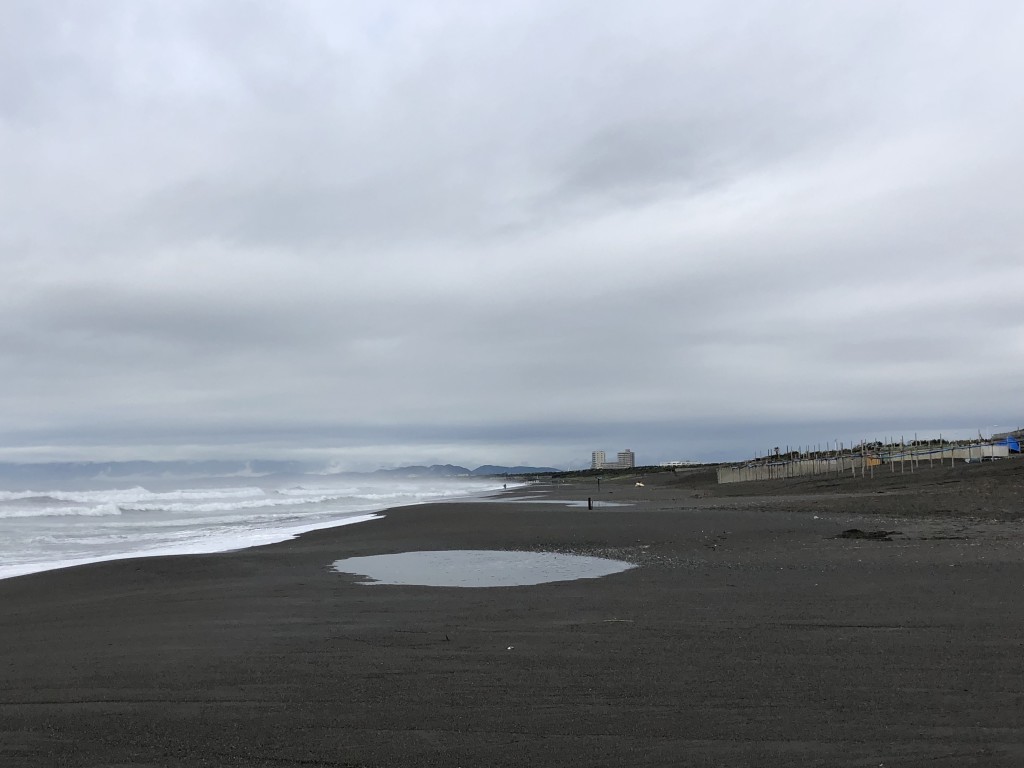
[563,502]
[477,568]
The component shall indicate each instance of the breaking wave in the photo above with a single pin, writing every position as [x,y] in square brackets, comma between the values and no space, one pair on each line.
[44,529]
[100,510]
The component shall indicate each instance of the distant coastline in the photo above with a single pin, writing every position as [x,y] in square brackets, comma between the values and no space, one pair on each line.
[34,474]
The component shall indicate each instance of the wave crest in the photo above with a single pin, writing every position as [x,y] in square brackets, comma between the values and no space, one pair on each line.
[99,510]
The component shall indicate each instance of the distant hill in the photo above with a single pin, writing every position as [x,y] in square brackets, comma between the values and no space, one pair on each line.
[76,474]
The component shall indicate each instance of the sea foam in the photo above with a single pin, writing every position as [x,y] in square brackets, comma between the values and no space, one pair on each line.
[46,529]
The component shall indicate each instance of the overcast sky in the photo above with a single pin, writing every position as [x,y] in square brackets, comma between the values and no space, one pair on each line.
[379,233]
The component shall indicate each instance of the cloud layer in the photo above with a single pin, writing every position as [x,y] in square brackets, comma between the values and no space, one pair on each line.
[373,233]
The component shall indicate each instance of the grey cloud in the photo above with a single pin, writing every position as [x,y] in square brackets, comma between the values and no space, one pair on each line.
[520,230]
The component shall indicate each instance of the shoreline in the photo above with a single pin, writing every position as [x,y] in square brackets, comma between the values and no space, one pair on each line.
[266,537]
[749,635]
[186,549]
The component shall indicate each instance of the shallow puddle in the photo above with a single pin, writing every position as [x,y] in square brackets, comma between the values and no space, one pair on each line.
[477,568]
[595,503]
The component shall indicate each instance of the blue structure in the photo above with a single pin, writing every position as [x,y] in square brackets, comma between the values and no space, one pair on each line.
[1010,441]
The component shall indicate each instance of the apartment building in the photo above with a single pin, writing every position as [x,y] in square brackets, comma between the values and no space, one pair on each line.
[625,460]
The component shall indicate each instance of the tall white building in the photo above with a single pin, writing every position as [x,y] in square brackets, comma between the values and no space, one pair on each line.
[626,460]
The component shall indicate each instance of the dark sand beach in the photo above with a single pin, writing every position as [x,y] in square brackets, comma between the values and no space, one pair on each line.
[751,634]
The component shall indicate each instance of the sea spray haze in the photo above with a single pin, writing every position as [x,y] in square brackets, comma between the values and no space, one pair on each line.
[69,516]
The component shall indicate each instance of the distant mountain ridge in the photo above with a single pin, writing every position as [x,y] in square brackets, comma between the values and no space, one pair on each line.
[41,473]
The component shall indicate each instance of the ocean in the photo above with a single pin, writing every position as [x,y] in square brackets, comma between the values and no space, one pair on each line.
[102,520]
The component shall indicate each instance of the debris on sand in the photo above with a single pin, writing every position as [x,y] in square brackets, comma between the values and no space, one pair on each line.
[857,533]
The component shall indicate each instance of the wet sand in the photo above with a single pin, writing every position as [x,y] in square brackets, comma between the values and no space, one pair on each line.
[749,635]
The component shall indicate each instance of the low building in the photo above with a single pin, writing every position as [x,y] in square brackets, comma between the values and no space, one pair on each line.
[1012,440]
